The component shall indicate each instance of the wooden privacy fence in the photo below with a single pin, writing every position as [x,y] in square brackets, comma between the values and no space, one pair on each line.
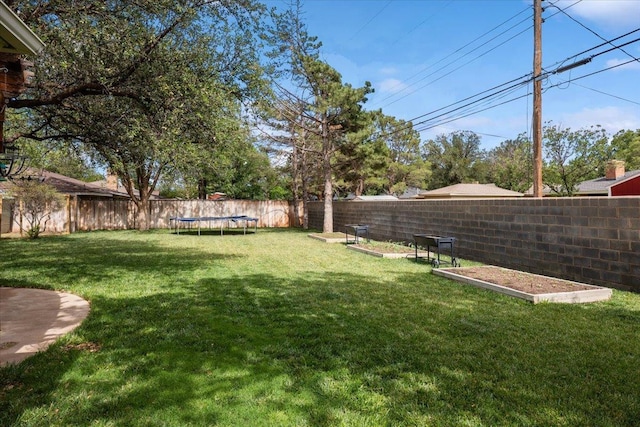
[91,214]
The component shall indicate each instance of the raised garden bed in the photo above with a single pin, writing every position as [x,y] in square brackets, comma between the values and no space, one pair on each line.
[329,237]
[530,287]
[385,249]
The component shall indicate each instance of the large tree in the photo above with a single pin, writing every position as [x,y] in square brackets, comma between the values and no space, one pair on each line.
[319,106]
[124,77]
[336,108]
[573,156]
[406,167]
[455,158]
[510,165]
[361,161]
[626,146]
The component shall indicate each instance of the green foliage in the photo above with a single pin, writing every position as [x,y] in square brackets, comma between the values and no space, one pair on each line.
[217,330]
[626,146]
[321,110]
[510,165]
[573,156]
[455,158]
[137,82]
[35,202]
[361,161]
[61,157]
[406,167]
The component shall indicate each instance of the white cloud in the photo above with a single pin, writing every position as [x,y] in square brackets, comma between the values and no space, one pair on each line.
[612,119]
[387,71]
[391,86]
[630,66]
[617,13]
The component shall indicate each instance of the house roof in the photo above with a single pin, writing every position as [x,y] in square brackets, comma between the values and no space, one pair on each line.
[379,198]
[601,185]
[121,191]
[411,193]
[67,185]
[461,191]
[15,36]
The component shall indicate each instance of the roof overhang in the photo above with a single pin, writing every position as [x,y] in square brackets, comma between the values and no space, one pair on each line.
[15,36]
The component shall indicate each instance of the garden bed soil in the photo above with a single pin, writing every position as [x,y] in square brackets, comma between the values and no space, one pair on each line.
[531,287]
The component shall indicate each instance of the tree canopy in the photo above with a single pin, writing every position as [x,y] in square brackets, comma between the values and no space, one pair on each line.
[132,80]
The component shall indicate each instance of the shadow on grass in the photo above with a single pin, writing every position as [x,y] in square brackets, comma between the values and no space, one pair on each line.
[107,260]
[329,349]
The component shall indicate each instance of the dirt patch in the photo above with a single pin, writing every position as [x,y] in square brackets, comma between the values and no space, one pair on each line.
[520,281]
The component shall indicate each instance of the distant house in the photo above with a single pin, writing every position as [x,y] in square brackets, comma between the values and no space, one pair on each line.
[616,182]
[113,184]
[66,185]
[380,198]
[217,196]
[411,193]
[79,195]
[469,191]
[76,192]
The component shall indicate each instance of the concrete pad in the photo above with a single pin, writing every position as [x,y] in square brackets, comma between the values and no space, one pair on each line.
[32,319]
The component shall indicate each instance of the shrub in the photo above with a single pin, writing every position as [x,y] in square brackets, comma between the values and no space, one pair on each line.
[35,201]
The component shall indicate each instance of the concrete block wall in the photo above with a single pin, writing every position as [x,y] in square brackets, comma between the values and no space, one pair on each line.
[594,240]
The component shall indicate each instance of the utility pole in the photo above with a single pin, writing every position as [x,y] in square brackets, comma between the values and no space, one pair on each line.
[537,98]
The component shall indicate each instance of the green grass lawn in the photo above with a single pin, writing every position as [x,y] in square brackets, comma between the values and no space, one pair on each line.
[277,329]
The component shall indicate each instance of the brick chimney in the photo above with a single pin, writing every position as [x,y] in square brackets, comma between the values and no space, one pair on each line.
[614,169]
[112,181]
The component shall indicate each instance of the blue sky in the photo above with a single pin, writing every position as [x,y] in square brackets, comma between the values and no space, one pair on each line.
[423,55]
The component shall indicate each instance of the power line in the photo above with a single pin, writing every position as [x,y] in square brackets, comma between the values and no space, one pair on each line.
[457,51]
[572,79]
[520,80]
[605,93]
[423,22]
[592,31]
[470,114]
[446,120]
[455,69]
[526,79]
[370,20]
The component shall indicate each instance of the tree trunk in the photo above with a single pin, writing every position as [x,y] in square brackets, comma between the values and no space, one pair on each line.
[144,209]
[304,179]
[295,178]
[359,187]
[327,226]
[202,189]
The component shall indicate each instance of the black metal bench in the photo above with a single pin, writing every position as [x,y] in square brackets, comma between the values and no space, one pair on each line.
[427,242]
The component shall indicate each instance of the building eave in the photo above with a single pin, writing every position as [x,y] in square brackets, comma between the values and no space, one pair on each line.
[15,36]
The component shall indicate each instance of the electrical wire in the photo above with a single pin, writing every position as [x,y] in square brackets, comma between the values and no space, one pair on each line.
[455,69]
[592,31]
[466,54]
[370,20]
[427,19]
[496,94]
[605,93]
[456,52]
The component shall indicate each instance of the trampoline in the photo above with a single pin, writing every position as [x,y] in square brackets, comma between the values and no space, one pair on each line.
[188,222]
